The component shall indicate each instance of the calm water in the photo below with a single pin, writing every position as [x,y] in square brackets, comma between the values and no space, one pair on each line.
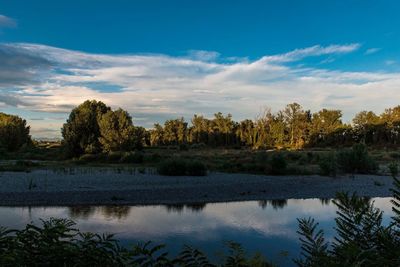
[265,226]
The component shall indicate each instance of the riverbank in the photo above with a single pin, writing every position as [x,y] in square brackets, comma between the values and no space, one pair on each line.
[102,186]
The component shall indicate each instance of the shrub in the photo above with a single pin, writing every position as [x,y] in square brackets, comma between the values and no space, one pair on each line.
[278,164]
[132,157]
[328,164]
[86,158]
[196,168]
[179,167]
[394,169]
[356,160]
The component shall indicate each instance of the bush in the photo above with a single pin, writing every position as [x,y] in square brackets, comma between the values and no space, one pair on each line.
[196,168]
[172,167]
[278,164]
[132,157]
[87,158]
[328,164]
[179,167]
[394,169]
[356,160]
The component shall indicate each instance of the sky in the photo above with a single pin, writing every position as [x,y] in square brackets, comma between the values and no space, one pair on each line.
[167,59]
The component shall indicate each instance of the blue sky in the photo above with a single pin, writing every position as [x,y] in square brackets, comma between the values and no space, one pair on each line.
[163,59]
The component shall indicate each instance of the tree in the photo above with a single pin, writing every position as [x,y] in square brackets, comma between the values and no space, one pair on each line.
[157,135]
[199,129]
[297,121]
[245,132]
[13,132]
[366,124]
[117,132]
[175,131]
[323,124]
[81,132]
[223,126]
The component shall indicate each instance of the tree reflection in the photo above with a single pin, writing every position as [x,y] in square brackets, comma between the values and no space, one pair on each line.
[110,212]
[325,201]
[275,203]
[115,212]
[195,207]
[81,212]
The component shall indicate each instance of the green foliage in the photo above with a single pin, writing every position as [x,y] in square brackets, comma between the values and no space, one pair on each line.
[13,133]
[314,248]
[191,257]
[328,164]
[278,164]
[361,240]
[57,243]
[180,167]
[356,160]
[81,132]
[117,132]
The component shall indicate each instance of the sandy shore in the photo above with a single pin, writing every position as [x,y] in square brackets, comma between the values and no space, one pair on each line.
[98,186]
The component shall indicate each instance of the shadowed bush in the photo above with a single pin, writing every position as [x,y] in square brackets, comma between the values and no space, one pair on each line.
[278,164]
[180,167]
[328,164]
[356,160]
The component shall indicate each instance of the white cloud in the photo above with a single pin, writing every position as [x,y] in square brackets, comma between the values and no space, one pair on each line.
[7,22]
[156,87]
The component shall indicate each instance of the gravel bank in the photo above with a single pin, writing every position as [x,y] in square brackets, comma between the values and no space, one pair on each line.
[99,186]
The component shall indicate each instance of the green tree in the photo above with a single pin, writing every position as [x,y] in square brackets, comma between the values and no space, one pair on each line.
[157,135]
[81,132]
[223,127]
[297,121]
[324,123]
[199,130]
[245,132]
[13,132]
[175,131]
[117,132]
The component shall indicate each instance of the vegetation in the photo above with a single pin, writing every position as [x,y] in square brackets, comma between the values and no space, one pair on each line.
[290,141]
[361,240]
[180,167]
[13,133]
[93,127]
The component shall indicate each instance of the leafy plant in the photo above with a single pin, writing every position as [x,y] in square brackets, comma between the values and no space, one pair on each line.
[328,164]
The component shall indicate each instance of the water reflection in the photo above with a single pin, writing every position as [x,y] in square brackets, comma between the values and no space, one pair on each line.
[109,212]
[325,201]
[179,208]
[275,203]
[266,226]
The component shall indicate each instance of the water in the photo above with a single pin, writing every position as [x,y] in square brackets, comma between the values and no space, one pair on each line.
[265,226]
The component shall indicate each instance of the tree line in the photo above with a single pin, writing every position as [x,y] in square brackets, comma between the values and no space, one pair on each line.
[93,127]
[293,127]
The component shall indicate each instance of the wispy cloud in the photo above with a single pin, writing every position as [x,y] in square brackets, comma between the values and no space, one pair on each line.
[7,22]
[156,87]
[390,62]
[316,50]
[372,51]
